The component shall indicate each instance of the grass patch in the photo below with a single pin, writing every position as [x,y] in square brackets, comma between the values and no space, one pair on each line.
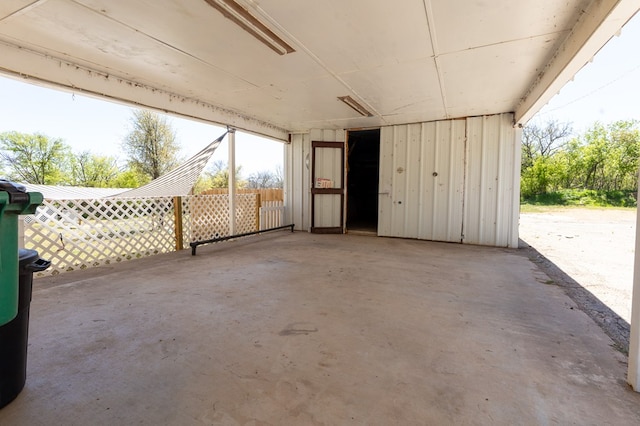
[582,198]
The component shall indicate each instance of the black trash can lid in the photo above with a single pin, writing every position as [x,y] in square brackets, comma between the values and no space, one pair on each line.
[27,256]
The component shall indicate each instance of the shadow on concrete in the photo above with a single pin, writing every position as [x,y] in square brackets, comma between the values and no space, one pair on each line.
[616,327]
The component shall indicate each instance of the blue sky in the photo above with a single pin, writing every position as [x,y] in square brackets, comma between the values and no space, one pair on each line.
[606,90]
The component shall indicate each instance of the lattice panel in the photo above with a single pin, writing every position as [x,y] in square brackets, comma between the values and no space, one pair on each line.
[77,234]
[247,213]
[207,216]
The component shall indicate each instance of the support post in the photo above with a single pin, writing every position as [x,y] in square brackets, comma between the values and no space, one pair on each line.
[232,181]
[258,208]
[633,372]
[177,216]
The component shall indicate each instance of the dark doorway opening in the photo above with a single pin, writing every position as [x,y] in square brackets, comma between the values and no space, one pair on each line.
[363,163]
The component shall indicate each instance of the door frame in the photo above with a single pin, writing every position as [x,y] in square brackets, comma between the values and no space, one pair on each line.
[324,191]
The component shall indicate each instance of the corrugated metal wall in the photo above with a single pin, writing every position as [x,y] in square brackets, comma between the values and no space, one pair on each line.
[451,180]
[421,180]
[492,190]
[298,181]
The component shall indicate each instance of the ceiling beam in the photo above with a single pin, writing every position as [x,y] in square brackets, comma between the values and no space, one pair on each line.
[47,70]
[597,24]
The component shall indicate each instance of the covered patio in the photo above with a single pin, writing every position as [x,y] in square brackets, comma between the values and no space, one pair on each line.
[318,329]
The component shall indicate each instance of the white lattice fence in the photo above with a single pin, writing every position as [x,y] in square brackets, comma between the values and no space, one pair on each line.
[247,210]
[271,214]
[77,234]
[207,216]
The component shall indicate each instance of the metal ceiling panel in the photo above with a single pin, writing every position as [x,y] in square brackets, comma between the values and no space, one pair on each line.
[385,88]
[485,23]
[197,30]
[499,74]
[71,31]
[358,34]
[10,7]
[417,60]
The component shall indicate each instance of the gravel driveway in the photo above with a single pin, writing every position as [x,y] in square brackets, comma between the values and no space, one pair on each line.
[594,247]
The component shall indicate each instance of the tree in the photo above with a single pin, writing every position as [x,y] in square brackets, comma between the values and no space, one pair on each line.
[541,169]
[278,175]
[35,158]
[543,140]
[265,179]
[151,145]
[94,170]
[130,179]
[610,156]
[625,137]
[604,158]
[218,176]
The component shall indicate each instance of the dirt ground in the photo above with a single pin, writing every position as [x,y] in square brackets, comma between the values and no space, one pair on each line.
[594,247]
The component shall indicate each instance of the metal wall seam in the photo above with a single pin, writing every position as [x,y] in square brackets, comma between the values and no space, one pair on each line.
[455,210]
[411,199]
[397,181]
[385,184]
[434,181]
[422,186]
[473,189]
[500,231]
[469,227]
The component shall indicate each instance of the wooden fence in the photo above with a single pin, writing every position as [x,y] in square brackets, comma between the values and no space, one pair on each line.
[271,194]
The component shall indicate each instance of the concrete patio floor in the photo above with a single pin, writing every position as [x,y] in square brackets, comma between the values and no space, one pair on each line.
[303,329]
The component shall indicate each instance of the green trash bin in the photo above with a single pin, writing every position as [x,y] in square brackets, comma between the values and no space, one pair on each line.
[16,274]
[14,201]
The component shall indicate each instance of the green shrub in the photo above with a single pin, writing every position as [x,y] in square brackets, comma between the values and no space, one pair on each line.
[583,197]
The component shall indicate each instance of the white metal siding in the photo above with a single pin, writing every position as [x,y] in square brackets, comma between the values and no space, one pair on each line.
[492,192]
[421,180]
[298,178]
